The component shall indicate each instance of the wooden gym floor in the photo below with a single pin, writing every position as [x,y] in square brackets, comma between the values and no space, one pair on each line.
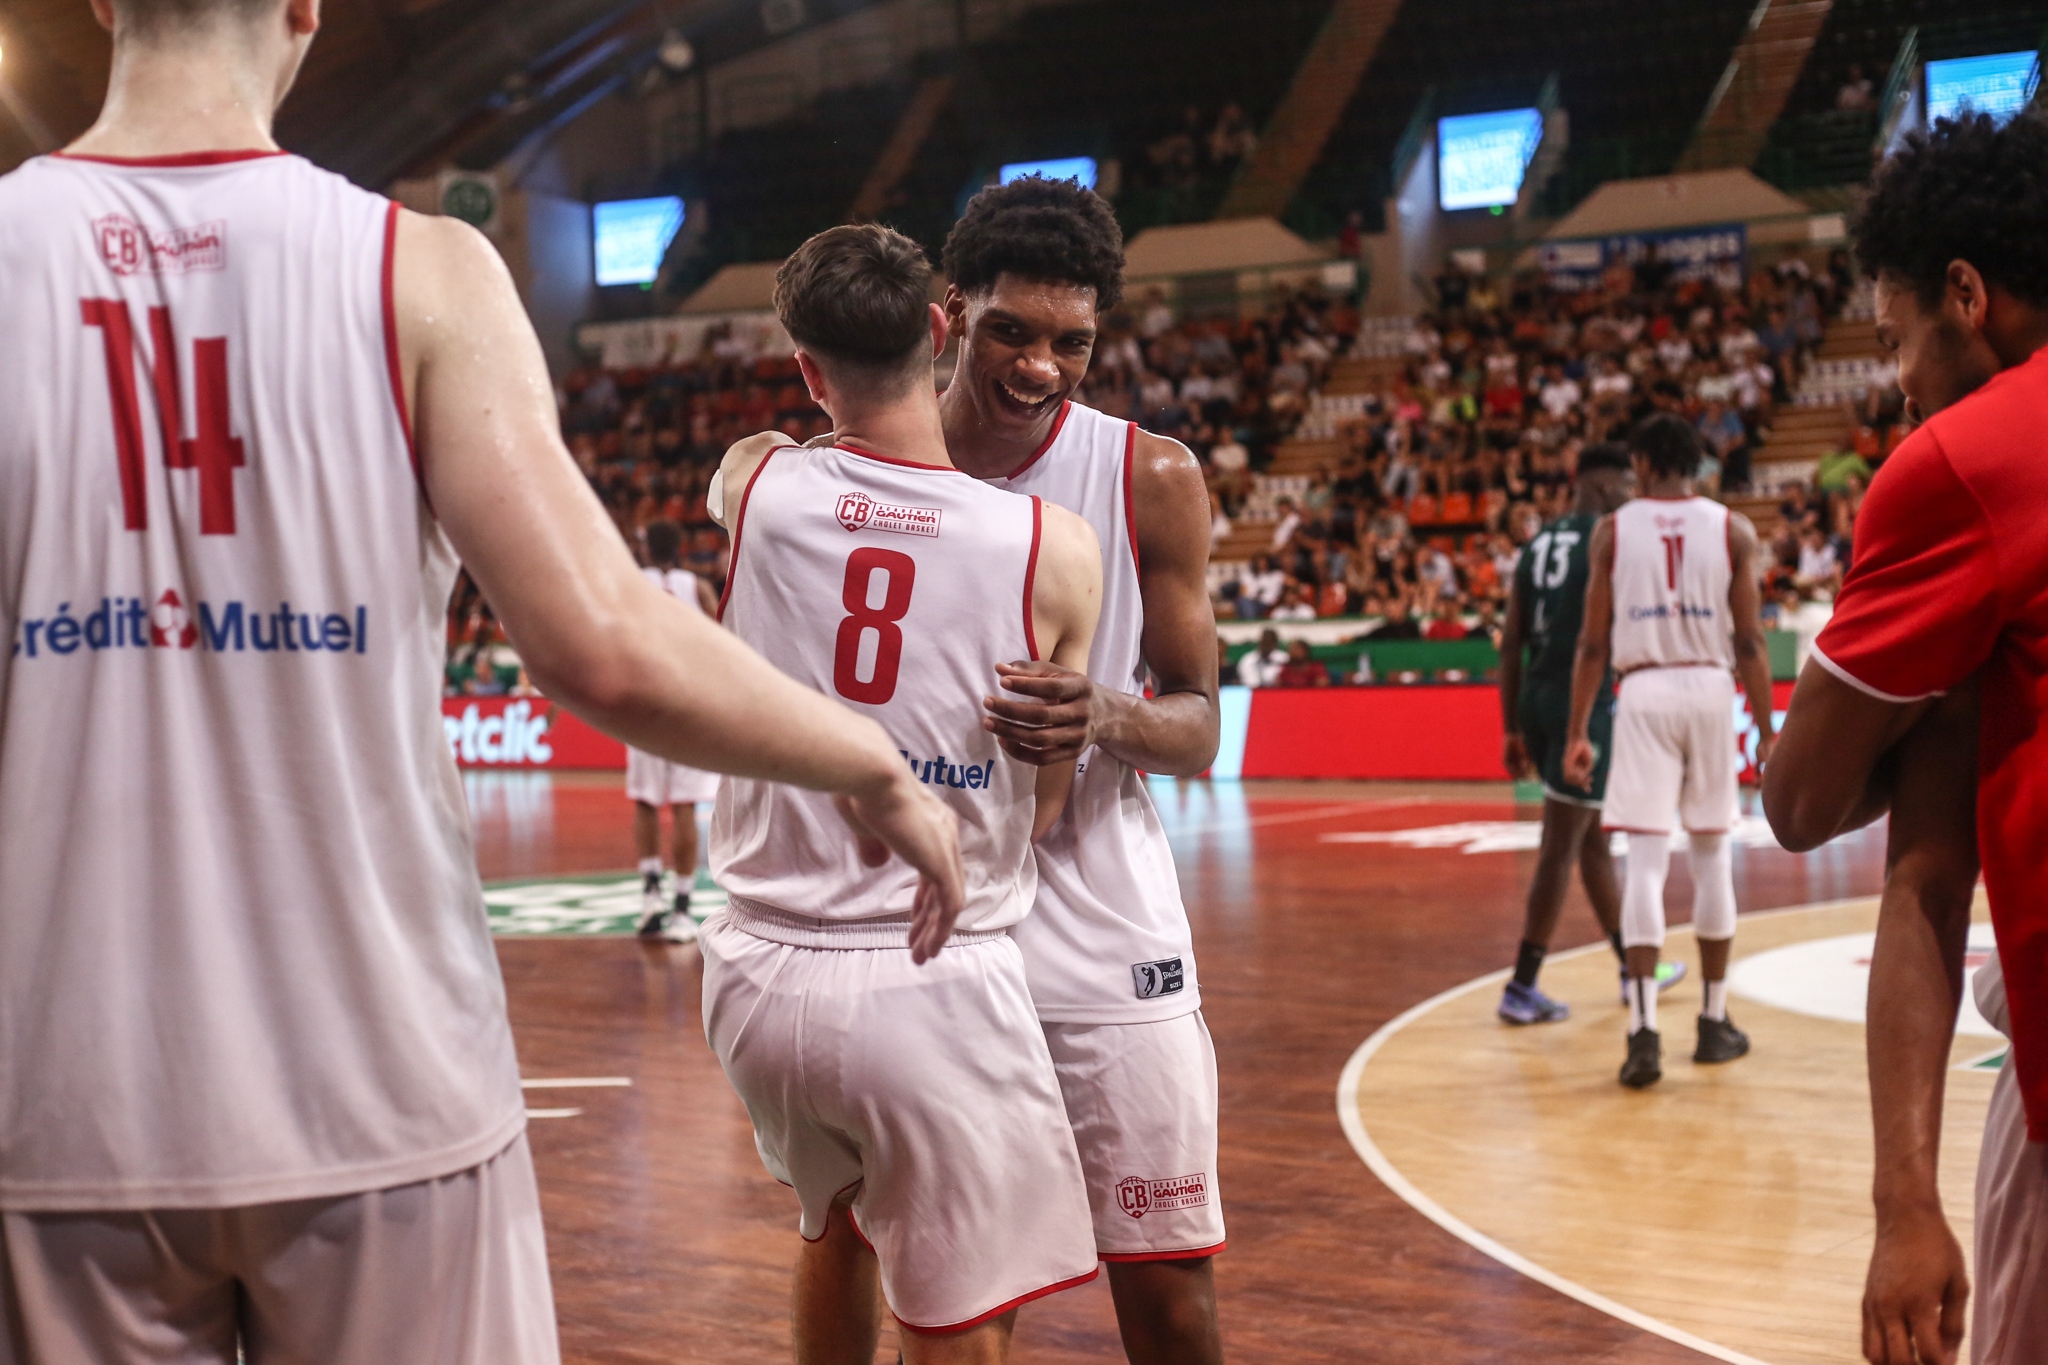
[1317,922]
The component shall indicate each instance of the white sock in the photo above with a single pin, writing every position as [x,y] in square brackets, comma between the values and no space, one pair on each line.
[1717,1001]
[651,866]
[1642,1003]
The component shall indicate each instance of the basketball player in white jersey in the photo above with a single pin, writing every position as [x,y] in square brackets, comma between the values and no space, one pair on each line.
[1672,607]
[1033,265]
[258,1095]
[906,1094]
[653,782]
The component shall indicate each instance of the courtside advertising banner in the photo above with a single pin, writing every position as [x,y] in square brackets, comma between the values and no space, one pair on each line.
[524,732]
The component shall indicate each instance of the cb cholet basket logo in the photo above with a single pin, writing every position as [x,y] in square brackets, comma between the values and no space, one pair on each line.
[855,509]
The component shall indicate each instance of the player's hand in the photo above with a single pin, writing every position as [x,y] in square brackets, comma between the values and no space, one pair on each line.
[1578,763]
[1051,721]
[1914,1298]
[1764,745]
[1514,754]
[910,822]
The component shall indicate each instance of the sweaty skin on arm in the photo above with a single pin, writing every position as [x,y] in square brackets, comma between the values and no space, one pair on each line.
[1917,1287]
[594,633]
[1835,770]
[1175,730]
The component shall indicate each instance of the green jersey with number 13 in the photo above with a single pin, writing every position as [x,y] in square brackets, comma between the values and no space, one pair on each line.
[1550,580]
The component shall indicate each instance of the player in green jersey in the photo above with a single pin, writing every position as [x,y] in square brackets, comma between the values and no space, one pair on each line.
[1548,598]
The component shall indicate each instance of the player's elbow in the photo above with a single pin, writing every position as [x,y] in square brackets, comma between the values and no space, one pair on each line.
[1801,816]
[1750,645]
[593,673]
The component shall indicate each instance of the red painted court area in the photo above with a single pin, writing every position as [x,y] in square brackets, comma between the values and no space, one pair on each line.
[669,1242]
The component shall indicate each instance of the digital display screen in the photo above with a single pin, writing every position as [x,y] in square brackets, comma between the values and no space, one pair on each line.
[1481,158]
[632,235]
[1999,84]
[1081,168]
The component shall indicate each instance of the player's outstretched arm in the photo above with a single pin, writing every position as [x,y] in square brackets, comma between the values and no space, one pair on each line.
[1066,602]
[593,632]
[1596,648]
[1917,1288]
[1752,650]
[1055,714]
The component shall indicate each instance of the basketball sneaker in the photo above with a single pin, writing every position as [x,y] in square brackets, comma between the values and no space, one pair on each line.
[1720,1041]
[1669,974]
[1645,1064]
[1521,1004]
[680,928]
[653,912]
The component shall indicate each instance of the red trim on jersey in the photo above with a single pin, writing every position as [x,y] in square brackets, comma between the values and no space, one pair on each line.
[1059,420]
[995,1313]
[1630,829]
[1193,1253]
[1031,575]
[391,357]
[891,459]
[179,159]
[739,524]
[828,1214]
[1130,512]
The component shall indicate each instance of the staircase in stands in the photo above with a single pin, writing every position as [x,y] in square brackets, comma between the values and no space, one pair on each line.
[1815,424]
[1323,85]
[1761,73]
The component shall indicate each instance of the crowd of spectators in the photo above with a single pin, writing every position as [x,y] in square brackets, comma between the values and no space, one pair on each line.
[1448,464]
[1455,457]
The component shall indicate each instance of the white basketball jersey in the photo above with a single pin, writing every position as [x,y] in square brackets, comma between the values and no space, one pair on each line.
[1109,939]
[243,951]
[896,588]
[1671,579]
[680,584]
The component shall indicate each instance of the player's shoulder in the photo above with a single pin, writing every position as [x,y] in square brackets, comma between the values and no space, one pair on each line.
[1160,463]
[1069,554]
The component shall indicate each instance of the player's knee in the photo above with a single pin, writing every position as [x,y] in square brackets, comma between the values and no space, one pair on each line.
[1713,879]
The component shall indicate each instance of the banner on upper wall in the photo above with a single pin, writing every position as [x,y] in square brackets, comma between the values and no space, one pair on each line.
[1719,253]
[524,732]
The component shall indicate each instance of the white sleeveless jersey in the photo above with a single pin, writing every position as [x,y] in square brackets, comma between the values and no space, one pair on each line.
[680,584]
[896,588]
[1671,579]
[1108,941]
[243,951]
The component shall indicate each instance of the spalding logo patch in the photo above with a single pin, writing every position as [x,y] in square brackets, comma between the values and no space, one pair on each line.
[1154,979]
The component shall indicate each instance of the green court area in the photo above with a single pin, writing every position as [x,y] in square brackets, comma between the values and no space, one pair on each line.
[600,905]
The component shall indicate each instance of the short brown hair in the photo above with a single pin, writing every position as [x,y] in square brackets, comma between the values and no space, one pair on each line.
[858,298]
[151,18]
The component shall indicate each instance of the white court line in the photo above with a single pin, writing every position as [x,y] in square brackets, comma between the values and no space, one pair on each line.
[1361,1142]
[552,1113]
[1319,813]
[574,1082]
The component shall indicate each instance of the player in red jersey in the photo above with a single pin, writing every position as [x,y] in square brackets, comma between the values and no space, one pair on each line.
[258,1092]
[1949,583]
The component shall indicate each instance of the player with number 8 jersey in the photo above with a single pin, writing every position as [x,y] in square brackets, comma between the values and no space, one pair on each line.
[898,1080]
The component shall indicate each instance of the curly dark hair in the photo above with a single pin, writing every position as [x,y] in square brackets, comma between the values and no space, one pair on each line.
[1669,443]
[1038,229]
[1968,189]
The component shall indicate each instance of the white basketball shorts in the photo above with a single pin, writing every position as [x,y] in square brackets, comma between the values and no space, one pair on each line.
[657,782]
[2009,1313]
[450,1271]
[1142,1102]
[1674,752]
[924,1092]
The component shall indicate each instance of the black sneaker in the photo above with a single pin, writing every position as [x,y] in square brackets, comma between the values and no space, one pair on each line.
[655,923]
[1720,1041]
[680,928]
[1645,1064]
